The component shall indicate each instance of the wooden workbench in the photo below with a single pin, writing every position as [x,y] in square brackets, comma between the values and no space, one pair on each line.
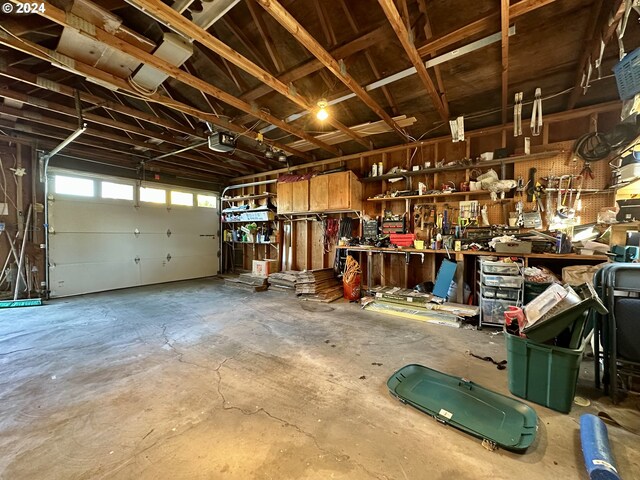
[459,257]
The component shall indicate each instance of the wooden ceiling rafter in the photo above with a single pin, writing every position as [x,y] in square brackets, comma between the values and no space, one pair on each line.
[284,18]
[84,70]
[56,87]
[386,91]
[428,33]
[35,117]
[359,43]
[398,26]
[38,102]
[504,49]
[164,13]
[325,24]
[264,33]
[244,40]
[481,25]
[601,27]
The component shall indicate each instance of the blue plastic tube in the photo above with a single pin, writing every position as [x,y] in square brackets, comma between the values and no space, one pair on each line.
[595,449]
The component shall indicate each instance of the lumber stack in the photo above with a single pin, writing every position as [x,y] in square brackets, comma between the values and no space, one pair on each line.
[284,281]
[319,285]
[418,306]
[247,282]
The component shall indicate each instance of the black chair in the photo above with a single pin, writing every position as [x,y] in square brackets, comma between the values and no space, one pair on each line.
[623,301]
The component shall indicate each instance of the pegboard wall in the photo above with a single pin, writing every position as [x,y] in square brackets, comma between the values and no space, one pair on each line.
[566,163]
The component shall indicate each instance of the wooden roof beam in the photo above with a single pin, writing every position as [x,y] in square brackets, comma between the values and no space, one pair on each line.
[243,39]
[191,30]
[66,63]
[594,33]
[428,32]
[480,25]
[504,30]
[398,26]
[255,13]
[284,18]
[376,73]
[35,117]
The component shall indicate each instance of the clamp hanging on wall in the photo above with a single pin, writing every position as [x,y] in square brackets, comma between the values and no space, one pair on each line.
[536,115]
[457,129]
[517,115]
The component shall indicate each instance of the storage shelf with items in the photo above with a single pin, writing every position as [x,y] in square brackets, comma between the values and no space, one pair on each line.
[250,228]
[501,286]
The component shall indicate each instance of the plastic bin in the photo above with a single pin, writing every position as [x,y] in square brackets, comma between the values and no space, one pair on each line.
[627,73]
[501,281]
[532,290]
[500,293]
[501,268]
[543,374]
[493,310]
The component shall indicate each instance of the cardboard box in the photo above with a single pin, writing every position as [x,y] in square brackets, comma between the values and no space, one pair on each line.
[260,268]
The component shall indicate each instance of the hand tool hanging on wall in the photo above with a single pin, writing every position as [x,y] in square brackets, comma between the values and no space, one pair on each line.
[531,184]
[517,115]
[536,114]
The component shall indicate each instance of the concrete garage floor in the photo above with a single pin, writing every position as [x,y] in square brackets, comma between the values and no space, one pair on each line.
[194,380]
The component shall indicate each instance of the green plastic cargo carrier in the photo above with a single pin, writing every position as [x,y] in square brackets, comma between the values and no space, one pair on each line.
[467,406]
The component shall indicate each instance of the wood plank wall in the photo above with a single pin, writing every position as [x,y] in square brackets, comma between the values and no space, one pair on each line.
[304,249]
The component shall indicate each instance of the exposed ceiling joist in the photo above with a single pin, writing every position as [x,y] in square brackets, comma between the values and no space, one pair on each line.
[372,64]
[179,23]
[481,25]
[36,117]
[403,35]
[284,18]
[115,83]
[256,15]
[594,35]
[428,33]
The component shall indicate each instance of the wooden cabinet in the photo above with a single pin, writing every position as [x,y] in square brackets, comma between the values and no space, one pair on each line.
[301,196]
[324,193]
[319,193]
[344,191]
[285,197]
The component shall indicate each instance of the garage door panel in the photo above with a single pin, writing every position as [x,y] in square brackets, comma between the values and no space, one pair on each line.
[76,279]
[185,219]
[192,266]
[191,245]
[91,247]
[91,217]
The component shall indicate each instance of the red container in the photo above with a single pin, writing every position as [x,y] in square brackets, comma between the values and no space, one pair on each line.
[402,239]
[352,290]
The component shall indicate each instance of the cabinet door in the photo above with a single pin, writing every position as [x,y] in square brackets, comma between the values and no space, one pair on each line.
[340,191]
[319,193]
[301,196]
[285,197]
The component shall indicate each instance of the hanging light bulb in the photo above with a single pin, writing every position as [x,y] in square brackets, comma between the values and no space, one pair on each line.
[322,114]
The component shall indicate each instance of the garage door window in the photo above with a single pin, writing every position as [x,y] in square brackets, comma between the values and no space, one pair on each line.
[182,198]
[118,191]
[207,201]
[153,195]
[82,187]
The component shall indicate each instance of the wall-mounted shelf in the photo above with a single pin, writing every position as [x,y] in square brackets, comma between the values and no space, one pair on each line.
[249,197]
[456,168]
[436,195]
[249,221]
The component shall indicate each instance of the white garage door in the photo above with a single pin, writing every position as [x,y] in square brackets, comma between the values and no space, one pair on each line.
[103,235]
